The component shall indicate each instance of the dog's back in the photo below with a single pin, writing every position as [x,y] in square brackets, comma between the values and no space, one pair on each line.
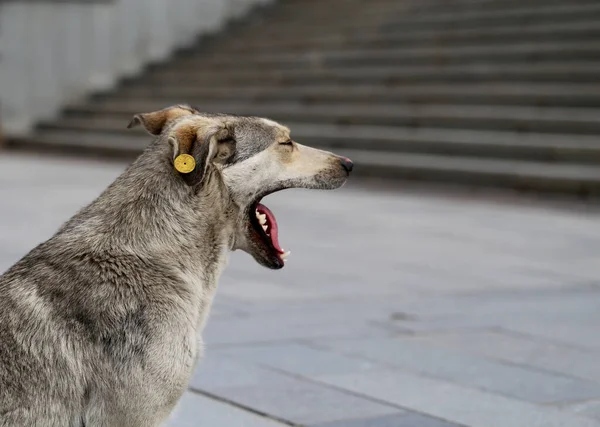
[31,368]
[79,337]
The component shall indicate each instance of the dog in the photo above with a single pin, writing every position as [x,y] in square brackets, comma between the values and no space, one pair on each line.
[100,326]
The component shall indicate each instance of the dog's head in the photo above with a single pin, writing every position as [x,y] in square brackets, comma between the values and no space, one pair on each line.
[250,157]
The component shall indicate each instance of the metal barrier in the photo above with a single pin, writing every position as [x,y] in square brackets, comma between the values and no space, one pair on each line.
[53,52]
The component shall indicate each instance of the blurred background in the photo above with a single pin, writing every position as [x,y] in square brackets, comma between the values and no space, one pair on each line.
[453,282]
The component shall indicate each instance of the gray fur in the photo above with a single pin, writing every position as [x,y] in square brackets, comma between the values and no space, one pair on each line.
[100,325]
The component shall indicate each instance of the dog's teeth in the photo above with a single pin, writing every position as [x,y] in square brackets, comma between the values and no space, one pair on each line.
[285,255]
[262,218]
[265,228]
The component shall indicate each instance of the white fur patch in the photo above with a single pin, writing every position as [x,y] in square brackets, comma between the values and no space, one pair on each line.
[271,123]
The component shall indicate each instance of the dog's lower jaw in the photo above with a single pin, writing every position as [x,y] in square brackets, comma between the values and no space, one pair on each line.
[271,262]
[245,241]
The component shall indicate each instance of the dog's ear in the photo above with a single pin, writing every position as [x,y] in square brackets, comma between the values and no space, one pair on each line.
[155,122]
[197,146]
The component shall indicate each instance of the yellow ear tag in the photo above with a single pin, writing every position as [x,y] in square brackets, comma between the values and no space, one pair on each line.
[185,163]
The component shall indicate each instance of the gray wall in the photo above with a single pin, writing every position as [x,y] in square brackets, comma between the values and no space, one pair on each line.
[55,52]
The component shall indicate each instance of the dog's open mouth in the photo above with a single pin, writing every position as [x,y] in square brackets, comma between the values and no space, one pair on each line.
[265,225]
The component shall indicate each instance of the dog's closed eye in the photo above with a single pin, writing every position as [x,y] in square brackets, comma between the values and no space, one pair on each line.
[288,142]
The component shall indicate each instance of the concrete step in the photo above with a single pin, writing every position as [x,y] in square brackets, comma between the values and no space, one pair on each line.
[557,71]
[84,142]
[568,95]
[560,31]
[462,18]
[520,175]
[492,54]
[581,149]
[341,8]
[513,118]
[517,175]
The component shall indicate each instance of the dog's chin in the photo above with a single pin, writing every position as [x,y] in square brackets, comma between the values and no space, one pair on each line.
[260,251]
[270,261]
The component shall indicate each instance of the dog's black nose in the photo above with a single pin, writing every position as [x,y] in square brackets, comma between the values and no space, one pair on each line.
[347,163]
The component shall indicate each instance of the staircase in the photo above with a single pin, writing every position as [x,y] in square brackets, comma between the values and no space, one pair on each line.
[501,93]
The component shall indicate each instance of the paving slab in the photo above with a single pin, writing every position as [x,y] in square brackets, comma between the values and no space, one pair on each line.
[217,371]
[471,370]
[196,410]
[523,350]
[303,402]
[455,403]
[402,420]
[589,409]
[300,359]
[260,329]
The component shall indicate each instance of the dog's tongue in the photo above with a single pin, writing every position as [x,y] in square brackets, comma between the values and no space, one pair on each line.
[272,223]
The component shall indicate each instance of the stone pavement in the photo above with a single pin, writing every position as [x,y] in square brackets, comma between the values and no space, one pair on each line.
[396,309]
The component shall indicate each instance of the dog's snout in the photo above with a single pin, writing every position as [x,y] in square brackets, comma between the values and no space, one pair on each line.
[347,163]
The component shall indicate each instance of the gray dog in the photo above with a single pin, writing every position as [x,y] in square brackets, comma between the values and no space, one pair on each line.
[100,325]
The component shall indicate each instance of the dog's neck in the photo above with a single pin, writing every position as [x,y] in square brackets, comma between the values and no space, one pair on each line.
[148,211]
